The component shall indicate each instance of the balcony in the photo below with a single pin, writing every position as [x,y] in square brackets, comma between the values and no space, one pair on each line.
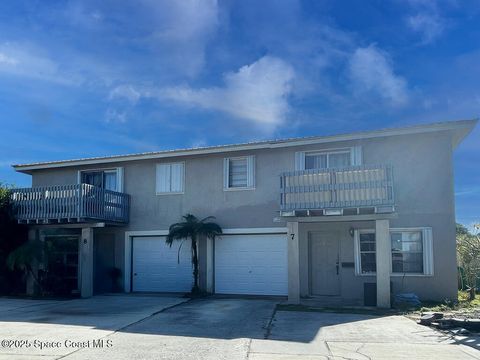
[78,203]
[350,190]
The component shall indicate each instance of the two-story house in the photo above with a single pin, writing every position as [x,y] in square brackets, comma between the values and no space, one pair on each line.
[344,219]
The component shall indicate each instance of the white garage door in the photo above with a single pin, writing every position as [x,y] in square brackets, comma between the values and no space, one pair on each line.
[251,264]
[155,265]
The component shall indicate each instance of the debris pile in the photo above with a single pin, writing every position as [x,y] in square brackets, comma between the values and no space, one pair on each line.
[437,319]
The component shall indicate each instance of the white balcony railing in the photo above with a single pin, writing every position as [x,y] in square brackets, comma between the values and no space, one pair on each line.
[337,188]
[76,202]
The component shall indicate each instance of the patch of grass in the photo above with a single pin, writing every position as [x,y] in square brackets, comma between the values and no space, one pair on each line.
[463,299]
[462,303]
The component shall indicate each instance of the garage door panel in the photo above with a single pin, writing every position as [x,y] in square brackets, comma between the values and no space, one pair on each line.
[156,267]
[251,264]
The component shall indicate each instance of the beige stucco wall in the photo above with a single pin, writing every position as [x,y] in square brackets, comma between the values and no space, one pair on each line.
[423,179]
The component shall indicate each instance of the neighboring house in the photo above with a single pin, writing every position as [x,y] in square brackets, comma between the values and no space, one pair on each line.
[344,219]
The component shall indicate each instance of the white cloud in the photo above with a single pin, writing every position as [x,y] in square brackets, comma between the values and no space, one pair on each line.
[427,20]
[114,115]
[31,62]
[182,30]
[186,20]
[257,92]
[126,92]
[371,73]
[5,59]
[172,34]
[199,143]
[430,26]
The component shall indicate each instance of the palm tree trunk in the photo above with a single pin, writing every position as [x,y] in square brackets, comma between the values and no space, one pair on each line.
[195,288]
[35,279]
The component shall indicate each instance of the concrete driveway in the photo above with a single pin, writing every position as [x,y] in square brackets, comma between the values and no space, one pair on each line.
[52,323]
[152,327]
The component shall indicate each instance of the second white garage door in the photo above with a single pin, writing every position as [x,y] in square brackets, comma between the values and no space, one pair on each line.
[156,268]
[251,264]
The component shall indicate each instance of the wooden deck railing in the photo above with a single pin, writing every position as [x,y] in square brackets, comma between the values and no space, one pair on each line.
[77,202]
[348,187]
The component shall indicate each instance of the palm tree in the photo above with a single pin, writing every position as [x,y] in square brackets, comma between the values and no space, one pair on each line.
[25,257]
[194,229]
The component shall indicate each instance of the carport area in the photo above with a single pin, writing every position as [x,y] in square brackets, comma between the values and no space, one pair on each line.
[161,327]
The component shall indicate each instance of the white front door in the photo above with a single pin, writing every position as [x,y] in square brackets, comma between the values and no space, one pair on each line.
[251,264]
[157,267]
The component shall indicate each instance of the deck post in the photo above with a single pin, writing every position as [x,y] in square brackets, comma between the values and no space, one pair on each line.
[293,263]
[383,259]
[86,263]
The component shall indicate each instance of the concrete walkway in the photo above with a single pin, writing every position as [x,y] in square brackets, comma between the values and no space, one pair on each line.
[319,335]
[213,329]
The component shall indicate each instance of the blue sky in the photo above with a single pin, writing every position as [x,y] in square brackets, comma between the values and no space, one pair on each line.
[87,78]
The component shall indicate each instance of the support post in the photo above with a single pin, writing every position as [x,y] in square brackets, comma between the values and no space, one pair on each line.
[293,263]
[86,263]
[383,258]
[205,264]
[31,285]
[210,270]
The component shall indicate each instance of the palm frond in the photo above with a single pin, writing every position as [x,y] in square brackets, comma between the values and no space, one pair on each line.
[190,218]
[204,220]
[177,232]
[25,255]
[210,230]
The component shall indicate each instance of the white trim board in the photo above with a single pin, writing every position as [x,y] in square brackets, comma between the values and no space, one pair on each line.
[228,231]
[463,125]
[127,273]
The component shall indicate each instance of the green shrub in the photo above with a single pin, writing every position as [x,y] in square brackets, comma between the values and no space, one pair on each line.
[12,235]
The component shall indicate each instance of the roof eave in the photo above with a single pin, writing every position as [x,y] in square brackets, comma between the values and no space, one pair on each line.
[460,128]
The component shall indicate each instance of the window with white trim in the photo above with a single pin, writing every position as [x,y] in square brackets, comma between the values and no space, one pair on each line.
[323,160]
[239,173]
[367,250]
[407,252]
[170,178]
[334,158]
[411,249]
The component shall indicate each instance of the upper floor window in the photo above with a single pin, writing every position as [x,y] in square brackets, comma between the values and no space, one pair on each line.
[325,159]
[106,179]
[239,173]
[170,178]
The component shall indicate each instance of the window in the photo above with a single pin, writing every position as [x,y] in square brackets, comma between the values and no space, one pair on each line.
[106,179]
[170,178]
[412,251]
[368,263]
[239,173]
[407,252]
[328,158]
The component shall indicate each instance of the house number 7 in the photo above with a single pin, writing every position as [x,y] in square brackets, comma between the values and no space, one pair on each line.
[292,236]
